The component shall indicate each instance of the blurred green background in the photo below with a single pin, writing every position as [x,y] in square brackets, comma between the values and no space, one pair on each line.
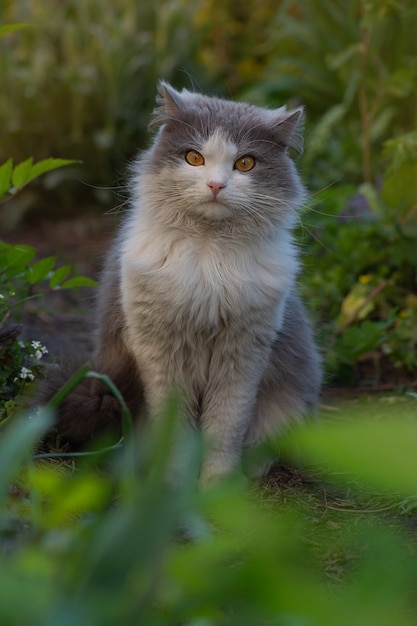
[80,82]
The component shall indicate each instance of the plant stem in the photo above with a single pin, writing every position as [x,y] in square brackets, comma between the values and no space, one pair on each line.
[365,113]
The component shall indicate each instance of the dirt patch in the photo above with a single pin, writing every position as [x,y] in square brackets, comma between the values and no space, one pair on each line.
[65,317]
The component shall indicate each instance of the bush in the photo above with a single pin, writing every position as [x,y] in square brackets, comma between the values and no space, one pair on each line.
[361,269]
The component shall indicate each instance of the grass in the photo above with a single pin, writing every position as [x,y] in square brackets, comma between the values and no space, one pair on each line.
[337,500]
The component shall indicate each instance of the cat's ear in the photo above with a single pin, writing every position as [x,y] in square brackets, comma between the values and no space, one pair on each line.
[169,105]
[289,126]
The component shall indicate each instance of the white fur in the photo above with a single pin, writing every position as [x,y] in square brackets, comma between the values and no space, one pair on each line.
[204,278]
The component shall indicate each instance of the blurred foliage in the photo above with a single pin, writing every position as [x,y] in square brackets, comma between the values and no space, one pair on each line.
[86,90]
[100,544]
[354,75]
[361,281]
[20,275]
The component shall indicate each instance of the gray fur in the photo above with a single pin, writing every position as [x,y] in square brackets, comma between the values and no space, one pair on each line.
[199,293]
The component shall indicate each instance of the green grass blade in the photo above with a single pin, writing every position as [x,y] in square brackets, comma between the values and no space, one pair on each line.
[69,386]
[9,28]
[16,443]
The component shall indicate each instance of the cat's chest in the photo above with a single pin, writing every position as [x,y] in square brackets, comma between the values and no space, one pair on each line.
[208,280]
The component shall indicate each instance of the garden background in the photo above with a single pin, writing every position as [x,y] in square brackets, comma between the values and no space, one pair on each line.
[79,83]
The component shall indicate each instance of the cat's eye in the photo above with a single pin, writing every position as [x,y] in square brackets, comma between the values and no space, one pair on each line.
[194,158]
[245,163]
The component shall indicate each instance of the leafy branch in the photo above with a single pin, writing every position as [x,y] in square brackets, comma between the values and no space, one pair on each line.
[14,177]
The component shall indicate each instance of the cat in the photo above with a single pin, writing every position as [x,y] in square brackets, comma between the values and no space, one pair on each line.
[199,291]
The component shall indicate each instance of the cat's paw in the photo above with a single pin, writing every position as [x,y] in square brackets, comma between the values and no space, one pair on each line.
[213,473]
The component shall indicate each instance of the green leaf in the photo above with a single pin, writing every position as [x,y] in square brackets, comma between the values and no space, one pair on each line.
[47,165]
[68,387]
[380,452]
[5,178]
[11,180]
[40,270]
[16,443]
[79,281]
[59,275]
[19,256]
[12,27]
[399,191]
[21,173]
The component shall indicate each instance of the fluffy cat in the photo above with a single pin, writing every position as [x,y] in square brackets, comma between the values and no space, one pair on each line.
[199,291]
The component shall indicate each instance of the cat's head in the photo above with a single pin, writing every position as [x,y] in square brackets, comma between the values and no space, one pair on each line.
[223,161]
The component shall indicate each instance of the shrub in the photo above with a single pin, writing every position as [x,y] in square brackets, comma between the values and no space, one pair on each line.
[361,268]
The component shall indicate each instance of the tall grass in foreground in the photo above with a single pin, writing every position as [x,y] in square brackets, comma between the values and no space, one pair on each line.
[93,542]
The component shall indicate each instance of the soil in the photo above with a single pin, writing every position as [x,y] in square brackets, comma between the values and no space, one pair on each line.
[65,316]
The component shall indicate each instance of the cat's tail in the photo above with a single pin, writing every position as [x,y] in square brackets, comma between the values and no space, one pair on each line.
[91,410]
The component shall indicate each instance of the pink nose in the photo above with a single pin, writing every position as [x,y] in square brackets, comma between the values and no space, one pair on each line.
[216,187]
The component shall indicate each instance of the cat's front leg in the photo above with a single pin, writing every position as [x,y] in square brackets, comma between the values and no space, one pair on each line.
[229,402]
[167,388]
[225,421]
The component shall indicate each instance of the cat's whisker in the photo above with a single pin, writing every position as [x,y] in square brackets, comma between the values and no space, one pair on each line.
[274,144]
[176,120]
[311,234]
[260,218]
[329,186]
[123,207]
[114,188]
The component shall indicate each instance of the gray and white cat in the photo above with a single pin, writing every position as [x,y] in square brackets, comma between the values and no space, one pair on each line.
[199,292]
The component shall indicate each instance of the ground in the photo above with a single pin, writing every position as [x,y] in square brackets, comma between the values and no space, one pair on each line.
[66,315]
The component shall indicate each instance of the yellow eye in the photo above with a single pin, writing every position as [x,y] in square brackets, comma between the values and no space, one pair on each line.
[194,158]
[245,163]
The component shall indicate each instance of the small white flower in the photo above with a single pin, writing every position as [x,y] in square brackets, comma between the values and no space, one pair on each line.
[40,350]
[26,373]
[1,296]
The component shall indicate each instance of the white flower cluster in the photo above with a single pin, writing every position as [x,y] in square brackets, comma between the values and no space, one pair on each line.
[39,349]
[25,373]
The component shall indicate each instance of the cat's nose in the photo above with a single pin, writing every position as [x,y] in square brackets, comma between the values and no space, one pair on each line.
[215,187]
